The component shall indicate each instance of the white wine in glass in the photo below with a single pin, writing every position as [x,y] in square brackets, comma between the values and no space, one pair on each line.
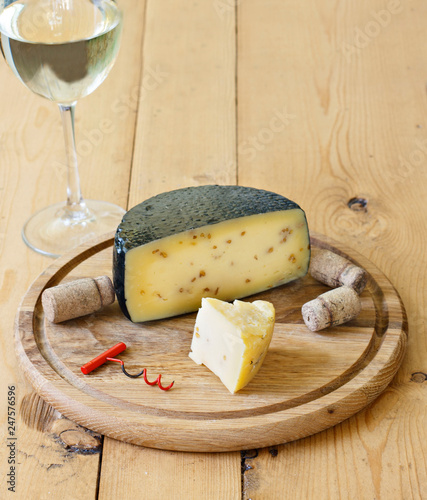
[63,50]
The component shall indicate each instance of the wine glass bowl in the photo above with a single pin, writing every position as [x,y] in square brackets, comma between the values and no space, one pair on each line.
[63,50]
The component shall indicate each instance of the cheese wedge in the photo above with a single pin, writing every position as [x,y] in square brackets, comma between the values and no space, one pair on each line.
[232,339]
[225,242]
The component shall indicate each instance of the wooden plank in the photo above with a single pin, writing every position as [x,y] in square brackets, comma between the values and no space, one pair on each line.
[341,71]
[168,474]
[185,136]
[186,116]
[32,175]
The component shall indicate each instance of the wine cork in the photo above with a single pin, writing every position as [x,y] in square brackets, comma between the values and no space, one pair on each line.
[333,270]
[77,298]
[331,308]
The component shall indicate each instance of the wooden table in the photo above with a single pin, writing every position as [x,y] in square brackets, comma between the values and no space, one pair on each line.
[323,102]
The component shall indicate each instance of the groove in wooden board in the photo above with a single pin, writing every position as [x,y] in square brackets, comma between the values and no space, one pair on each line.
[182,336]
[288,399]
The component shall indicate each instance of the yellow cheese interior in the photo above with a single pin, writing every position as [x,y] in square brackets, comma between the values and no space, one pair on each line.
[232,339]
[228,260]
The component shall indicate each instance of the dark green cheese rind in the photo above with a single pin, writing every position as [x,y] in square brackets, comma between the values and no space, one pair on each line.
[182,210]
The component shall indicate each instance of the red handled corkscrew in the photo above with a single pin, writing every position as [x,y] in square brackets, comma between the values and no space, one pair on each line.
[108,356]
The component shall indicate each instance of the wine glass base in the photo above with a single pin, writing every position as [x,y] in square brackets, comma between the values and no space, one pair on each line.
[52,231]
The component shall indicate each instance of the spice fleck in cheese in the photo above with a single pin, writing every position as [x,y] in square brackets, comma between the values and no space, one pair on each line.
[225,242]
[232,339]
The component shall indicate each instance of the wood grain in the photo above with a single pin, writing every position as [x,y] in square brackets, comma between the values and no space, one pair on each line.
[168,474]
[308,382]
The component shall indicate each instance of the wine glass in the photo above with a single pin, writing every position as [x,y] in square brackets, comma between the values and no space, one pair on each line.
[63,50]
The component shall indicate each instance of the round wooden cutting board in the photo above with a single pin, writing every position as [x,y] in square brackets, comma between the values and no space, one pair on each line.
[308,382]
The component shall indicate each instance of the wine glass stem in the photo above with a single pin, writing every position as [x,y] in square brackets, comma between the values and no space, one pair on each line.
[75,201]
